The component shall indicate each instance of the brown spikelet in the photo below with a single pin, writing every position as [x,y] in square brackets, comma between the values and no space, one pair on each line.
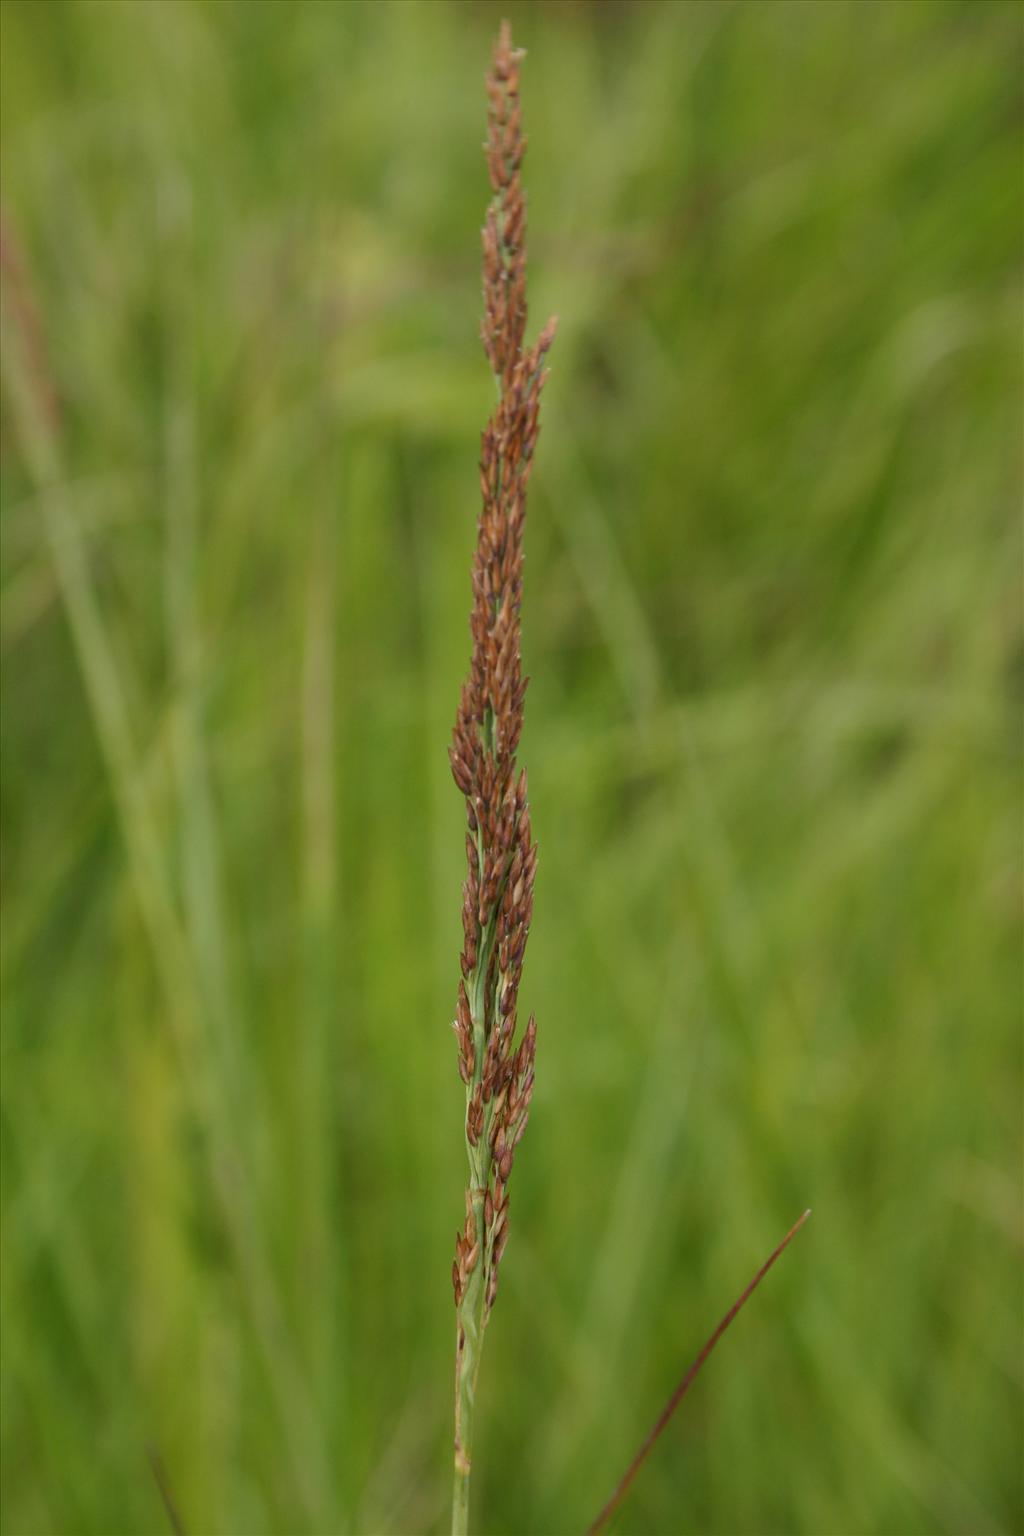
[501,856]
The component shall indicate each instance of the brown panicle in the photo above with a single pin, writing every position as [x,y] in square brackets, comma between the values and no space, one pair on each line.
[501,855]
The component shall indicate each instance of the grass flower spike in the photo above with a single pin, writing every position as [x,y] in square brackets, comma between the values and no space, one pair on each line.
[501,855]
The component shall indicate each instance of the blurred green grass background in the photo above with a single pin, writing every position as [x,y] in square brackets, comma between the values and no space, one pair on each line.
[773,619]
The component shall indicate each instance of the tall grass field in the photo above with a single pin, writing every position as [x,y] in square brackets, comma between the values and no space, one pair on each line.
[773,623]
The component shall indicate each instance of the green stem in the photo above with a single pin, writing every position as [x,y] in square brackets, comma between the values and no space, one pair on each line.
[468,1349]
[471,1316]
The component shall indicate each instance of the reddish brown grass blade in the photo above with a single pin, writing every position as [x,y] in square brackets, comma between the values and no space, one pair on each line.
[687,1381]
[159,1471]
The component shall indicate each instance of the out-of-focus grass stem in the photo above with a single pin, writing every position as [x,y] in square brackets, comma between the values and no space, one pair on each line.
[174,964]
